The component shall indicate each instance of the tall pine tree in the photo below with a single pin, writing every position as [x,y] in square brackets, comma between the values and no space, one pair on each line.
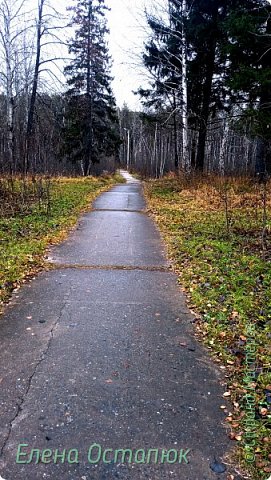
[91,118]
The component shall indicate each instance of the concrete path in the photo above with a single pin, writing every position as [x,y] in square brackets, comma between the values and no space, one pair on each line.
[100,351]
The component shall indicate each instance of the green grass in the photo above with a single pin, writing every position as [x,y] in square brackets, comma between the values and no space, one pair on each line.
[28,228]
[227,277]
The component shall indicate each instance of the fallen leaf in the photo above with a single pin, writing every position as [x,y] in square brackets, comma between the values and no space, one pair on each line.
[235,436]
[228,419]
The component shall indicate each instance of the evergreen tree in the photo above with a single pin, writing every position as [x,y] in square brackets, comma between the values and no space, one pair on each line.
[206,66]
[228,65]
[249,72]
[163,60]
[202,24]
[92,125]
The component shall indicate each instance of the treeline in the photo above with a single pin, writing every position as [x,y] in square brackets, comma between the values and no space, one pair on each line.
[47,126]
[208,105]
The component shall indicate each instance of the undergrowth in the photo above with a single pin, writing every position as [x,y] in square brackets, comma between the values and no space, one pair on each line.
[214,229]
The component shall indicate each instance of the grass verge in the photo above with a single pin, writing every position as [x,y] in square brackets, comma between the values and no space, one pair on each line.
[36,213]
[218,239]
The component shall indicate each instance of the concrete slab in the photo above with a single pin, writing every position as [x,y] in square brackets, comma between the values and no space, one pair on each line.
[112,238]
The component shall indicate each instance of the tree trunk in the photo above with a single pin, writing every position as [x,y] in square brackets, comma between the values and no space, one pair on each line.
[30,120]
[176,153]
[223,148]
[8,53]
[205,110]
[186,159]
[88,155]
[263,162]
[10,110]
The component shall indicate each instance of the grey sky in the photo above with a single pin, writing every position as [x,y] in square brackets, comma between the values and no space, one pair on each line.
[126,23]
[128,31]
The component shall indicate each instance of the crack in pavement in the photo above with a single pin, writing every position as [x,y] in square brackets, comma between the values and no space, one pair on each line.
[21,399]
[121,210]
[60,266]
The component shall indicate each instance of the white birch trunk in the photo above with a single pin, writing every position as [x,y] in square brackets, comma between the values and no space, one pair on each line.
[186,157]
[9,83]
[10,112]
[11,53]
[223,149]
[154,152]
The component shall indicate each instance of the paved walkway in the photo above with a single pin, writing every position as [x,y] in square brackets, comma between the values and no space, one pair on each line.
[100,351]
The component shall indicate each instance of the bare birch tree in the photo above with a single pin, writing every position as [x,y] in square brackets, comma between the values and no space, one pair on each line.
[10,31]
[43,31]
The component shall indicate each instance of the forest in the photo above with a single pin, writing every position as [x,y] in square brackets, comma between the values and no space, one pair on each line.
[201,144]
[72,128]
[208,104]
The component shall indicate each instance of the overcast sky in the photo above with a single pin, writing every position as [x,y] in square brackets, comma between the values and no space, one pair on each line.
[127,25]
[126,21]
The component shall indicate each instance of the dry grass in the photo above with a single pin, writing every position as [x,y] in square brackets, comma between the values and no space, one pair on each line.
[214,228]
